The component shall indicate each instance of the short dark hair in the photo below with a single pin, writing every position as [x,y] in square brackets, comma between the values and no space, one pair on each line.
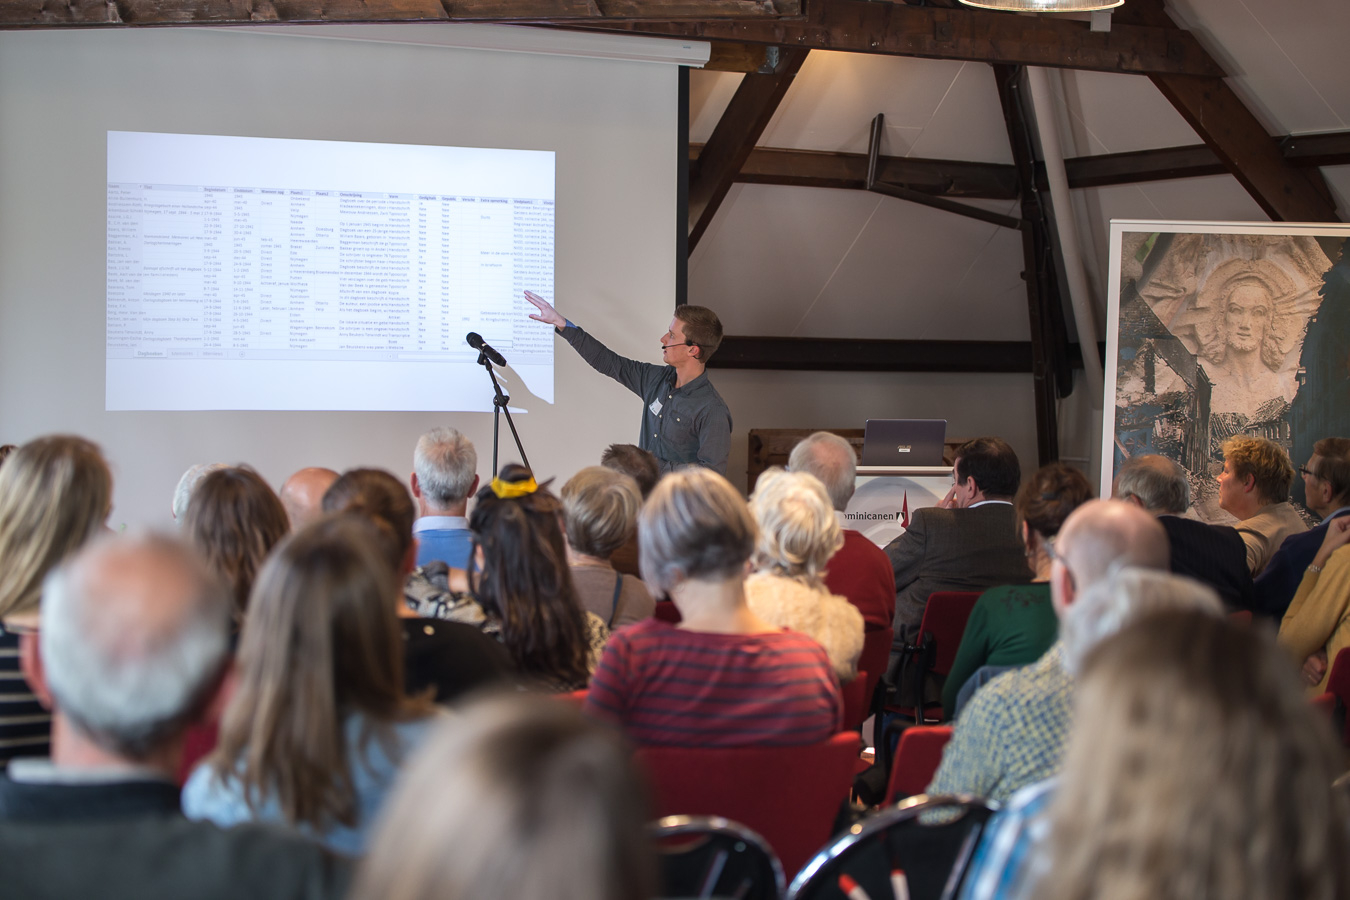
[1334,468]
[702,327]
[1050,494]
[632,460]
[993,465]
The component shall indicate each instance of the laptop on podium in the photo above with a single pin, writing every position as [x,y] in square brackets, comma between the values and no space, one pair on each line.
[903,442]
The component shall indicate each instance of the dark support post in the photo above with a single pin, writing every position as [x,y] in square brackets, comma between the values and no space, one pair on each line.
[1038,262]
[682,164]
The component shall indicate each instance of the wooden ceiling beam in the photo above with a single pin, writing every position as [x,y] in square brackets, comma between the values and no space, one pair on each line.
[978,35]
[1210,106]
[997,181]
[50,13]
[734,137]
[855,355]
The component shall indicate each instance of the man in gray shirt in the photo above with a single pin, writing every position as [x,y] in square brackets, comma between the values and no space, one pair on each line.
[684,420]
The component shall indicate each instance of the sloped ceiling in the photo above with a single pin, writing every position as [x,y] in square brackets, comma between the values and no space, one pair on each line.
[831,263]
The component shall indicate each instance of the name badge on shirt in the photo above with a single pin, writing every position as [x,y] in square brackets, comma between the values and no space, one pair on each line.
[655,407]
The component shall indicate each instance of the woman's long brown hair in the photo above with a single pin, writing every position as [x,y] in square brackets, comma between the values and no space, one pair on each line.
[526,585]
[321,641]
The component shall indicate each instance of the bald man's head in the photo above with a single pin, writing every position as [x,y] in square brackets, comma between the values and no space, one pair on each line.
[302,495]
[1103,535]
[135,634]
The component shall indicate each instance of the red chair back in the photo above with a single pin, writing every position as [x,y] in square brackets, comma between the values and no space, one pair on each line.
[945,619]
[1338,684]
[576,698]
[875,658]
[666,611]
[790,795]
[916,760]
[856,708]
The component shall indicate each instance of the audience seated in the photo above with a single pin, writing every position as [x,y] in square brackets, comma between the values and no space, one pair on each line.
[302,495]
[1254,487]
[134,641]
[1196,769]
[1317,623]
[643,467]
[319,724]
[234,520]
[1013,625]
[519,798]
[523,587]
[797,536]
[1326,483]
[600,507]
[182,494]
[1012,732]
[1213,554]
[445,475]
[451,658]
[860,571]
[723,676]
[968,542]
[55,494]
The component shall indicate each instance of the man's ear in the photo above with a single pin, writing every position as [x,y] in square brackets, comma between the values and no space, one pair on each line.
[473,488]
[416,487]
[30,663]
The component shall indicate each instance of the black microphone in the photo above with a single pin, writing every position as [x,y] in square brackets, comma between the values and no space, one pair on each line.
[476,342]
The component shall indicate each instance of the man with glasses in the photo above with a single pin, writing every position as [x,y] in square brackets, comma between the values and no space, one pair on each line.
[1326,481]
[684,419]
[1013,731]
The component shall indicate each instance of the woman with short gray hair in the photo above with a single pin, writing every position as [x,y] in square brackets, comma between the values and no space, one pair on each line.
[723,677]
[798,533]
[600,508]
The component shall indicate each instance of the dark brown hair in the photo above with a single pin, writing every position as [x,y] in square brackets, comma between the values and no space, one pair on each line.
[1050,494]
[234,519]
[702,327]
[321,642]
[1334,467]
[525,583]
[992,463]
[382,499]
[632,460]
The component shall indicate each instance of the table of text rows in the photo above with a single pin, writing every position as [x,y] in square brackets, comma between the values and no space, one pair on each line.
[202,271]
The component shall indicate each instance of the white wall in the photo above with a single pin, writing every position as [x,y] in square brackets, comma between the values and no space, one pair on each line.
[612,124]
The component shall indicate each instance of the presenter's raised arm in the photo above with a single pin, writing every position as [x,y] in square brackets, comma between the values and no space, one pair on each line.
[547,314]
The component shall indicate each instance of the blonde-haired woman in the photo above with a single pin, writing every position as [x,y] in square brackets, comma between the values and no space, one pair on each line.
[319,724]
[1197,769]
[520,797]
[798,533]
[55,493]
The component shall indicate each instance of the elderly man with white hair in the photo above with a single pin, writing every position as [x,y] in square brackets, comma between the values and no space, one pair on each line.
[445,475]
[859,571]
[1013,731]
[134,641]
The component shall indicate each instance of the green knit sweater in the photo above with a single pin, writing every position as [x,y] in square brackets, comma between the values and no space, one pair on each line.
[1011,625]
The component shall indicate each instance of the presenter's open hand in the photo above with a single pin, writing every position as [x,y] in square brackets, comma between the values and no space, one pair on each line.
[547,314]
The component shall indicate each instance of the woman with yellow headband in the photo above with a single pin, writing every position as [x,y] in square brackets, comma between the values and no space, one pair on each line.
[524,586]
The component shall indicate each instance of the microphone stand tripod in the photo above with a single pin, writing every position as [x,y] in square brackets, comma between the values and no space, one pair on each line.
[499,405]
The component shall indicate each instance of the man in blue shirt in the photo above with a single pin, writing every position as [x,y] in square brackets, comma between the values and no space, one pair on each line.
[684,420]
[444,476]
[1326,479]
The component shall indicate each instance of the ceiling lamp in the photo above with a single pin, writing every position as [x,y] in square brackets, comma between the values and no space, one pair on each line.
[1045,6]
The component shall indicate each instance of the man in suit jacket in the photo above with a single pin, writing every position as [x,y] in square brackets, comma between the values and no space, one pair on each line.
[968,542]
[1326,479]
[1213,554]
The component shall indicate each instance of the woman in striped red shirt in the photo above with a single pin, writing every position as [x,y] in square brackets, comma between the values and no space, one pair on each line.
[723,677]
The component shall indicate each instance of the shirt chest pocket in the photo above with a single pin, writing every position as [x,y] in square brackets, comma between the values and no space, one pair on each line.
[677,427]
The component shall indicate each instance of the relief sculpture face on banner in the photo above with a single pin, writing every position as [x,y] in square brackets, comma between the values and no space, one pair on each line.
[1224,334]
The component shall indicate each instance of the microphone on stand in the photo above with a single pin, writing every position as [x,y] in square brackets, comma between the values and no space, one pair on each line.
[476,341]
